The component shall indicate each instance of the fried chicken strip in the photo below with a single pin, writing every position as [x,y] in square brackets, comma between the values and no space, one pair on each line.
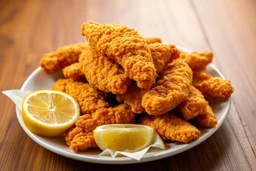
[205,120]
[163,54]
[152,40]
[197,61]
[64,56]
[125,46]
[213,88]
[171,127]
[78,140]
[74,72]
[60,84]
[102,73]
[88,98]
[133,98]
[171,89]
[194,105]
[120,114]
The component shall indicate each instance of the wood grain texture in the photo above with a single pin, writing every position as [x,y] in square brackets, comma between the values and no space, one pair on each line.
[28,29]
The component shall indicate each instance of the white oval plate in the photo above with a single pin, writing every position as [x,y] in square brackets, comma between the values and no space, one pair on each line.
[38,80]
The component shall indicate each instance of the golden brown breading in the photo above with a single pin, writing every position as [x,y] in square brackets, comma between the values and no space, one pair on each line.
[151,40]
[194,105]
[205,120]
[170,90]
[60,84]
[171,127]
[78,140]
[87,97]
[126,47]
[120,114]
[102,73]
[82,142]
[197,61]
[213,88]
[74,72]
[163,54]
[133,98]
[64,56]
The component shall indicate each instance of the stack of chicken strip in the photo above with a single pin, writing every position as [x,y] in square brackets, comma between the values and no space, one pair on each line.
[168,88]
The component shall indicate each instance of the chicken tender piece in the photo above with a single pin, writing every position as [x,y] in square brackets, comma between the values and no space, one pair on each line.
[171,89]
[171,127]
[206,120]
[87,97]
[78,140]
[151,40]
[133,98]
[197,61]
[194,105]
[64,56]
[102,73]
[60,84]
[125,46]
[74,72]
[120,114]
[213,88]
[163,54]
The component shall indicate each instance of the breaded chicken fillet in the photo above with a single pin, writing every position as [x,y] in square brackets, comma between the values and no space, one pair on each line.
[197,61]
[87,97]
[205,120]
[78,140]
[213,88]
[125,46]
[102,73]
[171,127]
[74,72]
[64,56]
[171,89]
[133,98]
[120,114]
[163,54]
[194,105]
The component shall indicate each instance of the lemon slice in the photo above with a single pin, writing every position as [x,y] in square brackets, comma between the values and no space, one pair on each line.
[49,113]
[123,137]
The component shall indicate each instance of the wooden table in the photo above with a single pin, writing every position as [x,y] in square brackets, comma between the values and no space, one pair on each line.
[28,29]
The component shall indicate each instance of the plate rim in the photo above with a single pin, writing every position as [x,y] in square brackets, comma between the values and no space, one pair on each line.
[122,160]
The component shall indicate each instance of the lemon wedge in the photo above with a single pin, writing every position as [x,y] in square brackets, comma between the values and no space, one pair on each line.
[123,137]
[49,113]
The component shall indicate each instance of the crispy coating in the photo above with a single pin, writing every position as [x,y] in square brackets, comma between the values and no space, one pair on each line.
[125,46]
[74,72]
[213,88]
[194,105]
[133,98]
[64,56]
[151,40]
[171,89]
[171,127]
[60,84]
[102,73]
[120,114]
[205,120]
[163,54]
[197,61]
[78,140]
[71,134]
[87,97]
